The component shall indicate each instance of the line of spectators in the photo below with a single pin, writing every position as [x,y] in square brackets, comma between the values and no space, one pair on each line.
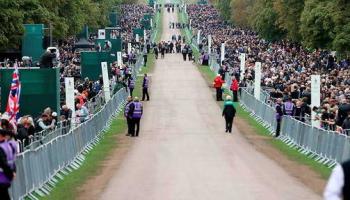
[286,67]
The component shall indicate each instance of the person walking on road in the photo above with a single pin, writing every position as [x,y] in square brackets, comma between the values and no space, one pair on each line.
[7,164]
[229,113]
[128,117]
[218,82]
[131,85]
[279,114]
[135,111]
[156,52]
[234,88]
[338,186]
[184,52]
[145,85]
[144,57]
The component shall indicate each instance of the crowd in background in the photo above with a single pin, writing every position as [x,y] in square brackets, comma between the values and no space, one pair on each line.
[286,67]
[88,93]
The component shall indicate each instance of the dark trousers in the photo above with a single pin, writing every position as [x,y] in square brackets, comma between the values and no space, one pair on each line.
[184,56]
[190,56]
[156,55]
[218,94]
[229,122]
[144,60]
[135,127]
[235,95]
[131,90]
[4,193]
[129,123]
[278,128]
[145,94]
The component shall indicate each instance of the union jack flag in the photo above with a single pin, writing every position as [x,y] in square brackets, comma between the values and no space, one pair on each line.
[13,101]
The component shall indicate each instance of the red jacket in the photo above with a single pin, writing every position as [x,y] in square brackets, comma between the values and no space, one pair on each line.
[218,82]
[234,85]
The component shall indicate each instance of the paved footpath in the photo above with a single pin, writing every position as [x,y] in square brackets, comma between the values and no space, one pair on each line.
[183,152]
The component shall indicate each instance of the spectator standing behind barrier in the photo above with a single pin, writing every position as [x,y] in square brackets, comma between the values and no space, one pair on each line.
[127,116]
[135,111]
[82,113]
[43,123]
[338,186]
[234,88]
[229,113]
[145,85]
[346,125]
[218,82]
[131,85]
[279,114]
[7,165]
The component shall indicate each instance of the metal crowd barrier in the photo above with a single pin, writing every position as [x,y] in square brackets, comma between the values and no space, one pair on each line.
[61,151]
[39,169]
[326,147]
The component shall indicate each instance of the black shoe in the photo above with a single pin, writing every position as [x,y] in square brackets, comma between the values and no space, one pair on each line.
[128,134]
[230,131]
[226,131]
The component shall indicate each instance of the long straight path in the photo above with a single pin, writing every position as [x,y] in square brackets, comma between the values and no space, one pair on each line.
[183,152]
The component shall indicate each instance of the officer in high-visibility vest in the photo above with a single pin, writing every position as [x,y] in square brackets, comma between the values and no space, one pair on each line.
[136,111]
[7,164]
[127,116]
[338,186]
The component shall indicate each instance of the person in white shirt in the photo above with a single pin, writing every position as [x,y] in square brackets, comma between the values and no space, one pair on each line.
[338,186]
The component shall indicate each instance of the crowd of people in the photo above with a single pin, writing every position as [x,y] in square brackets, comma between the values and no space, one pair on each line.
[88,93]
[286,67]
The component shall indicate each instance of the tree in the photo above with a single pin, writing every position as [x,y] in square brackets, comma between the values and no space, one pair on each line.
[289,12]
[263,20]
[224,8]
[317,24]
[11,28]
[241,12]
[341,18]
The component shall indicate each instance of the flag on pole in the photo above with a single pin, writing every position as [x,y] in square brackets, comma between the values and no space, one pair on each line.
[13,101]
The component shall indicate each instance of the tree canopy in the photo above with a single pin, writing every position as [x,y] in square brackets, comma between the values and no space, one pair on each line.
[313,23]
[67,17]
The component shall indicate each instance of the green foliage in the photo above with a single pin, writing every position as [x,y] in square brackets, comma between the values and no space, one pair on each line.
[289,12]
[11,27]
[317,25]
[313,23]
[67,17]
[224,8]
[241,12]
[264,20]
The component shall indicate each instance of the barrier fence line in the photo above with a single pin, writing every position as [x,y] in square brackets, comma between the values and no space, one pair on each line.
[40,167]
[326,147]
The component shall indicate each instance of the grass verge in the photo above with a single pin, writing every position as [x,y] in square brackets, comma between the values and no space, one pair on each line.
[290,153]
[68,187]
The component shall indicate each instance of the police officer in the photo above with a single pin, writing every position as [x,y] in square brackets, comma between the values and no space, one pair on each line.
[128,116]
[288,107]
[338,186]
[279,114]
[145,85]
[136,111]
[7,164]
[131,85]
[184,52]
[189,51]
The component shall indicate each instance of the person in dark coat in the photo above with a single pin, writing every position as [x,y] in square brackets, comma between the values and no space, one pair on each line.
[279,114]
[229,113]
